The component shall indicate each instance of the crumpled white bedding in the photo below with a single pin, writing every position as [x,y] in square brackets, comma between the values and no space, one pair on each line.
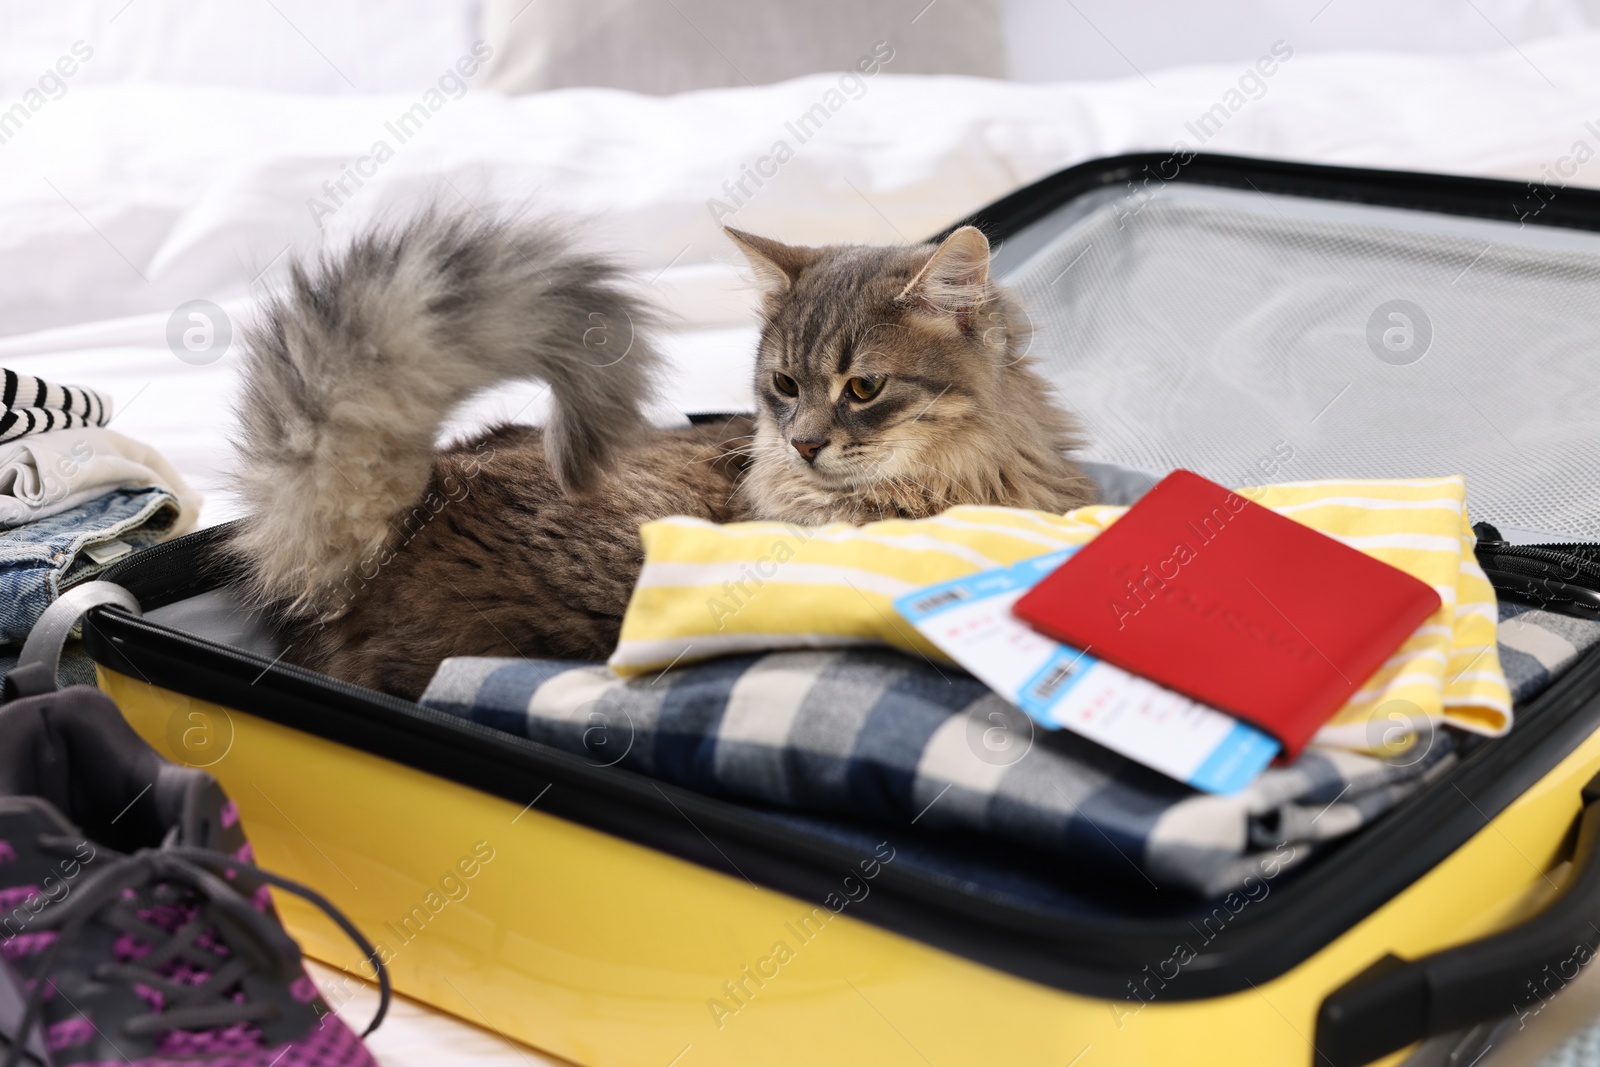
[118,203]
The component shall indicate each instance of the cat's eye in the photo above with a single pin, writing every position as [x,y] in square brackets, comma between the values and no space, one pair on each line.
[864,388]
[785,385]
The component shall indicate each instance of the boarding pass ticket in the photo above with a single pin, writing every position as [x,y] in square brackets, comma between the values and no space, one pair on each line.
[970,620]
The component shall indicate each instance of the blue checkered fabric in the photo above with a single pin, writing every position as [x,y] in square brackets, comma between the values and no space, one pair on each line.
[881,735]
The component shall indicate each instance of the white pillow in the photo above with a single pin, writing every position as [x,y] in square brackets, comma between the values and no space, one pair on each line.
[299,46]
[670,46]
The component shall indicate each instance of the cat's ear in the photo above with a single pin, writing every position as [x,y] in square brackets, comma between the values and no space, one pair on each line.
[776,264]
[955,280]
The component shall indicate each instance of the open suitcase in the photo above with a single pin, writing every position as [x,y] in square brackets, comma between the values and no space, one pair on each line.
[1251,320]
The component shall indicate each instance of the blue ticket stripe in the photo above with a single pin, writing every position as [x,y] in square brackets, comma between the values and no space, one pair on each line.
[935,599]
[1242,755]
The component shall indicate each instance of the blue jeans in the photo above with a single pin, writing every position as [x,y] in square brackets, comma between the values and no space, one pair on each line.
[39,560]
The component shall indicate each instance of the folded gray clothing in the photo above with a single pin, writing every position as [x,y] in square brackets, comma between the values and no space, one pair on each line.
[877,734]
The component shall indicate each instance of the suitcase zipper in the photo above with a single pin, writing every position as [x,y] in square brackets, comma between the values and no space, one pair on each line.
[1559,577]
[166,572]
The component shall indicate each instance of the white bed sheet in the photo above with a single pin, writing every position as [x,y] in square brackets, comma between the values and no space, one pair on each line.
[414,1035]
[119,203]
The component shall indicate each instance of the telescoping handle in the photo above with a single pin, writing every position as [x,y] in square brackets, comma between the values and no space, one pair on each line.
[1396,1002]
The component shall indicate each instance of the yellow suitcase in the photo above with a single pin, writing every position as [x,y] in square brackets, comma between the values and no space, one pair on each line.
[616,921]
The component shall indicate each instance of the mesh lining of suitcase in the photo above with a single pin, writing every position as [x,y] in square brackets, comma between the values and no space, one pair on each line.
[1248,336]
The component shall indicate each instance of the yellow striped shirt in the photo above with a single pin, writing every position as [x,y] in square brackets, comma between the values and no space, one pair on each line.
[709,590]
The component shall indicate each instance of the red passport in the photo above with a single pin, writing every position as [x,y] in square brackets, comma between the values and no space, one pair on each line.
[1233,605]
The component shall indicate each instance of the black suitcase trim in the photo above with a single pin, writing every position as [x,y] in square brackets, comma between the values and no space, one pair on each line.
[1100,958]
[1146,173]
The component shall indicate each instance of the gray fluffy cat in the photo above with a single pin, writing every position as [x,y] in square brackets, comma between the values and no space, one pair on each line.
[889,382]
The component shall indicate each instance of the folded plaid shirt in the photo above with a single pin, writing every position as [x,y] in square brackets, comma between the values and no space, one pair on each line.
[879,734]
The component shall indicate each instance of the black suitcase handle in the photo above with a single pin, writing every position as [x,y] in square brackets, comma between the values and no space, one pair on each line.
[1396,1002]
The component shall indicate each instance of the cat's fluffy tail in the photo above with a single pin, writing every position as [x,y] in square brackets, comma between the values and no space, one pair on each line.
[350,373]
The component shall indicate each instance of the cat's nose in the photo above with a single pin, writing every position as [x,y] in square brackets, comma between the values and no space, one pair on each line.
[808,449]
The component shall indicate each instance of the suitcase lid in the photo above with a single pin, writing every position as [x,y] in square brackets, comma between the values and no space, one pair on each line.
[1260,322]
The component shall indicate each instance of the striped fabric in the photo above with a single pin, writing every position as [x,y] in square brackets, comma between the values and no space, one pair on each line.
[882,735]
[708,590]
[30,405]
[1536,646]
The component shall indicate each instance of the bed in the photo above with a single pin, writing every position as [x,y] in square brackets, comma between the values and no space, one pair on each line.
[120,203]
